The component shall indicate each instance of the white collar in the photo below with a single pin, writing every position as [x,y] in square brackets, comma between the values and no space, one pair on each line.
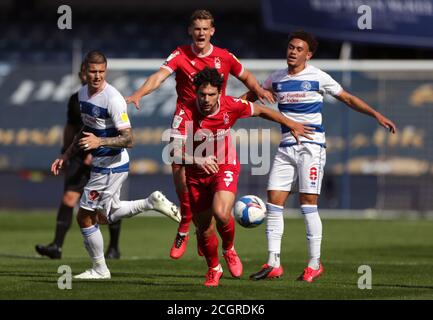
[202,55]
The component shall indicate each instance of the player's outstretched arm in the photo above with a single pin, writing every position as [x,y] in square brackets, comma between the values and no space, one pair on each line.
[253,85]
[125,139]
[297,129]
[152,83]
[359,105]
[249,96]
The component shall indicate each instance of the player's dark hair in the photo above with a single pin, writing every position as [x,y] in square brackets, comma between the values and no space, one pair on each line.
[94,56]
[208,76]
[307,37]
[201,15]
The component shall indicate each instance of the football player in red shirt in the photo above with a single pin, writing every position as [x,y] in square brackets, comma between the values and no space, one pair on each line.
[186,61]
[212,169]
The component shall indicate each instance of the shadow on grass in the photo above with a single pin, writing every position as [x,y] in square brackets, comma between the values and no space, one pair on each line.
[402,286]
[155,275]
[26,274]
[18,256]
[114,282]
[390,285]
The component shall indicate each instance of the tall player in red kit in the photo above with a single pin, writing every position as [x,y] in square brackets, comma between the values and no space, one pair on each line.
[212,167]
[186,61]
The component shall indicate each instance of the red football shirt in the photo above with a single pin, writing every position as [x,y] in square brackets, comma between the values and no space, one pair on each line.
[210,135]
[186,63]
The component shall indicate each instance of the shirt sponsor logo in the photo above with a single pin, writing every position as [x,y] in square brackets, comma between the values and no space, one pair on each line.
[207,135]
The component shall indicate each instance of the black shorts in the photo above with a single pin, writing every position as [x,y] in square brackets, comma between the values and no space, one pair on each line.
[76,175]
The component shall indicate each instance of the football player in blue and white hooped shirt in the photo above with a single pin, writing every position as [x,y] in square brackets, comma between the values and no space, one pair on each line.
[106,134]
[299,90]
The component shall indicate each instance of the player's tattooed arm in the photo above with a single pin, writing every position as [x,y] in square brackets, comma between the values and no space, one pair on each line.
[123,140]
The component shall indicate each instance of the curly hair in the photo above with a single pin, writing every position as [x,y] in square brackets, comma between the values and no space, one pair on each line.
[208,76]
[307,37]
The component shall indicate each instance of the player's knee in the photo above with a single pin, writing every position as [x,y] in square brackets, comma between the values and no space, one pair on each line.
[308,199]
[277,198]
[222,215]
[204,228]
[206,233]
[101,218]
[84,219]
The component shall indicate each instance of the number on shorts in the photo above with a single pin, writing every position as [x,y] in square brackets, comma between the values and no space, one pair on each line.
[229,177]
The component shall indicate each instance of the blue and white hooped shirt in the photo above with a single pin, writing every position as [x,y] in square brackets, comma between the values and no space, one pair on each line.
[103,114]
[300,98]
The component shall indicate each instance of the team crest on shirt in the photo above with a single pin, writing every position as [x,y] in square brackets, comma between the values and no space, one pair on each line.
[279,87]
[177,120]
[217,62]
[226,118]
[306,86]
[95,112]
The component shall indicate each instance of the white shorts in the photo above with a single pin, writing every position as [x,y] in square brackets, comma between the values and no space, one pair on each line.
[102,192]
[298,168]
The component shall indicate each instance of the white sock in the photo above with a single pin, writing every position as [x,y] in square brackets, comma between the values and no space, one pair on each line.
[218,268]
[94,244]
[128,209]
[274,232]
[313,226]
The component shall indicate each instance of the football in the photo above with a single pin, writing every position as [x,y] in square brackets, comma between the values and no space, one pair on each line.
[250,211]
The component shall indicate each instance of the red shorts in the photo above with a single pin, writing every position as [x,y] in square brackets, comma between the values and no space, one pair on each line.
[202,188]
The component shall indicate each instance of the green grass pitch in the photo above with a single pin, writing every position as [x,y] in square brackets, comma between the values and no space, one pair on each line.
[399,252]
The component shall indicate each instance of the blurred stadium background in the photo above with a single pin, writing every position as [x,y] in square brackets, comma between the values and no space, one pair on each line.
[369,173]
